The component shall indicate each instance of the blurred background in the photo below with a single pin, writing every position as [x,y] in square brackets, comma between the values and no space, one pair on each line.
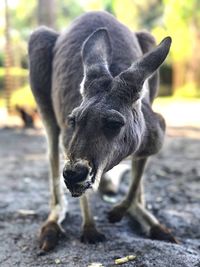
[172,178]
[179,94]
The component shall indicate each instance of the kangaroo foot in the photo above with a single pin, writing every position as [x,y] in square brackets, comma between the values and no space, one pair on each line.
[91,235]
[49,236]
[160,232]
[117,213]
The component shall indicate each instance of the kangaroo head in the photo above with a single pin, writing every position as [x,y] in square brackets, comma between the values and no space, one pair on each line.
[108,125]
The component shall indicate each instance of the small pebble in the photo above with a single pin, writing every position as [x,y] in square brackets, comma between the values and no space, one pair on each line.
[24,249]
[57,261]
[95,264]
[109,199]
[27,180]
[159,199]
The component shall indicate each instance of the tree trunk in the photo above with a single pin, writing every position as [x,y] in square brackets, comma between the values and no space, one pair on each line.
[193,68]
[8,59]
[178,70]
[195,60]
[47,13]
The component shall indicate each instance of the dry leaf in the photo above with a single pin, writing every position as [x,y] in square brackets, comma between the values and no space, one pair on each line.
[125,259]
[26,212]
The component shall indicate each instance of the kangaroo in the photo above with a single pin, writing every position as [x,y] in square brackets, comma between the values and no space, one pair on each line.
[94,85]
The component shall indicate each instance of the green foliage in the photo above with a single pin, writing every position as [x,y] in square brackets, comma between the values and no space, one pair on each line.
[23,97]
[126,11]
[16,74]
[23,17]
[178,18]
[188,90]
[67,10]
[1,58]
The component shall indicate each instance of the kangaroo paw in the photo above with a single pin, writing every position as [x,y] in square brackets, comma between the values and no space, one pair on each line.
[49,236]
[116,214]
[160,232]
[91,235]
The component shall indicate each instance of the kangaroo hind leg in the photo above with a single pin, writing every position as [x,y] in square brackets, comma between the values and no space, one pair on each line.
[41,46]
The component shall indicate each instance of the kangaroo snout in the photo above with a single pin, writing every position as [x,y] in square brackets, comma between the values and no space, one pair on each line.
[75,173]
[75,177]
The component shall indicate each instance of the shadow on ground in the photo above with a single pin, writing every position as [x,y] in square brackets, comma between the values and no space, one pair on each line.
[172,191]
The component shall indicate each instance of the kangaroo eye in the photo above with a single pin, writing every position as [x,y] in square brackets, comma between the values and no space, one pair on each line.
[112,127]
[71,121]
[113,124]
[113,121]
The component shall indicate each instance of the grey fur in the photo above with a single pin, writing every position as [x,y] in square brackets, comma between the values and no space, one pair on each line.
[113,117]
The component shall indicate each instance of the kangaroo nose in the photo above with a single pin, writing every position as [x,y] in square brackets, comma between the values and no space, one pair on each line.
[76,173]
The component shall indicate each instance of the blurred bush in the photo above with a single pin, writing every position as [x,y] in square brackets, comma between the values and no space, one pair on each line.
[165,80]
[180,75]
[23,97]
[19,77]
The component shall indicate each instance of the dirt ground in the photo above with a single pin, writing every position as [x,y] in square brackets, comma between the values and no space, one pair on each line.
[172,190]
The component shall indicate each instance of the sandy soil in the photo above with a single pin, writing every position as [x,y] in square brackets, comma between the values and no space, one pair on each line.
[172,190]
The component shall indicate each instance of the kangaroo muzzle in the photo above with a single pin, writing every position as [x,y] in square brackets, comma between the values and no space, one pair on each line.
[76,176]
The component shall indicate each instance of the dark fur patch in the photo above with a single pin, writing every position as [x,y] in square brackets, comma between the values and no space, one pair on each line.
[116,214]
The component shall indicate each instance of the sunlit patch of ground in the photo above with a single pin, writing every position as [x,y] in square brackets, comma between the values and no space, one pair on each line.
[190,132]
[179,112]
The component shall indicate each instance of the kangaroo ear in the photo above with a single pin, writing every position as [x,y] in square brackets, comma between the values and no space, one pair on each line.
[97,48]
[152,61]
[143,68]
[96,56]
